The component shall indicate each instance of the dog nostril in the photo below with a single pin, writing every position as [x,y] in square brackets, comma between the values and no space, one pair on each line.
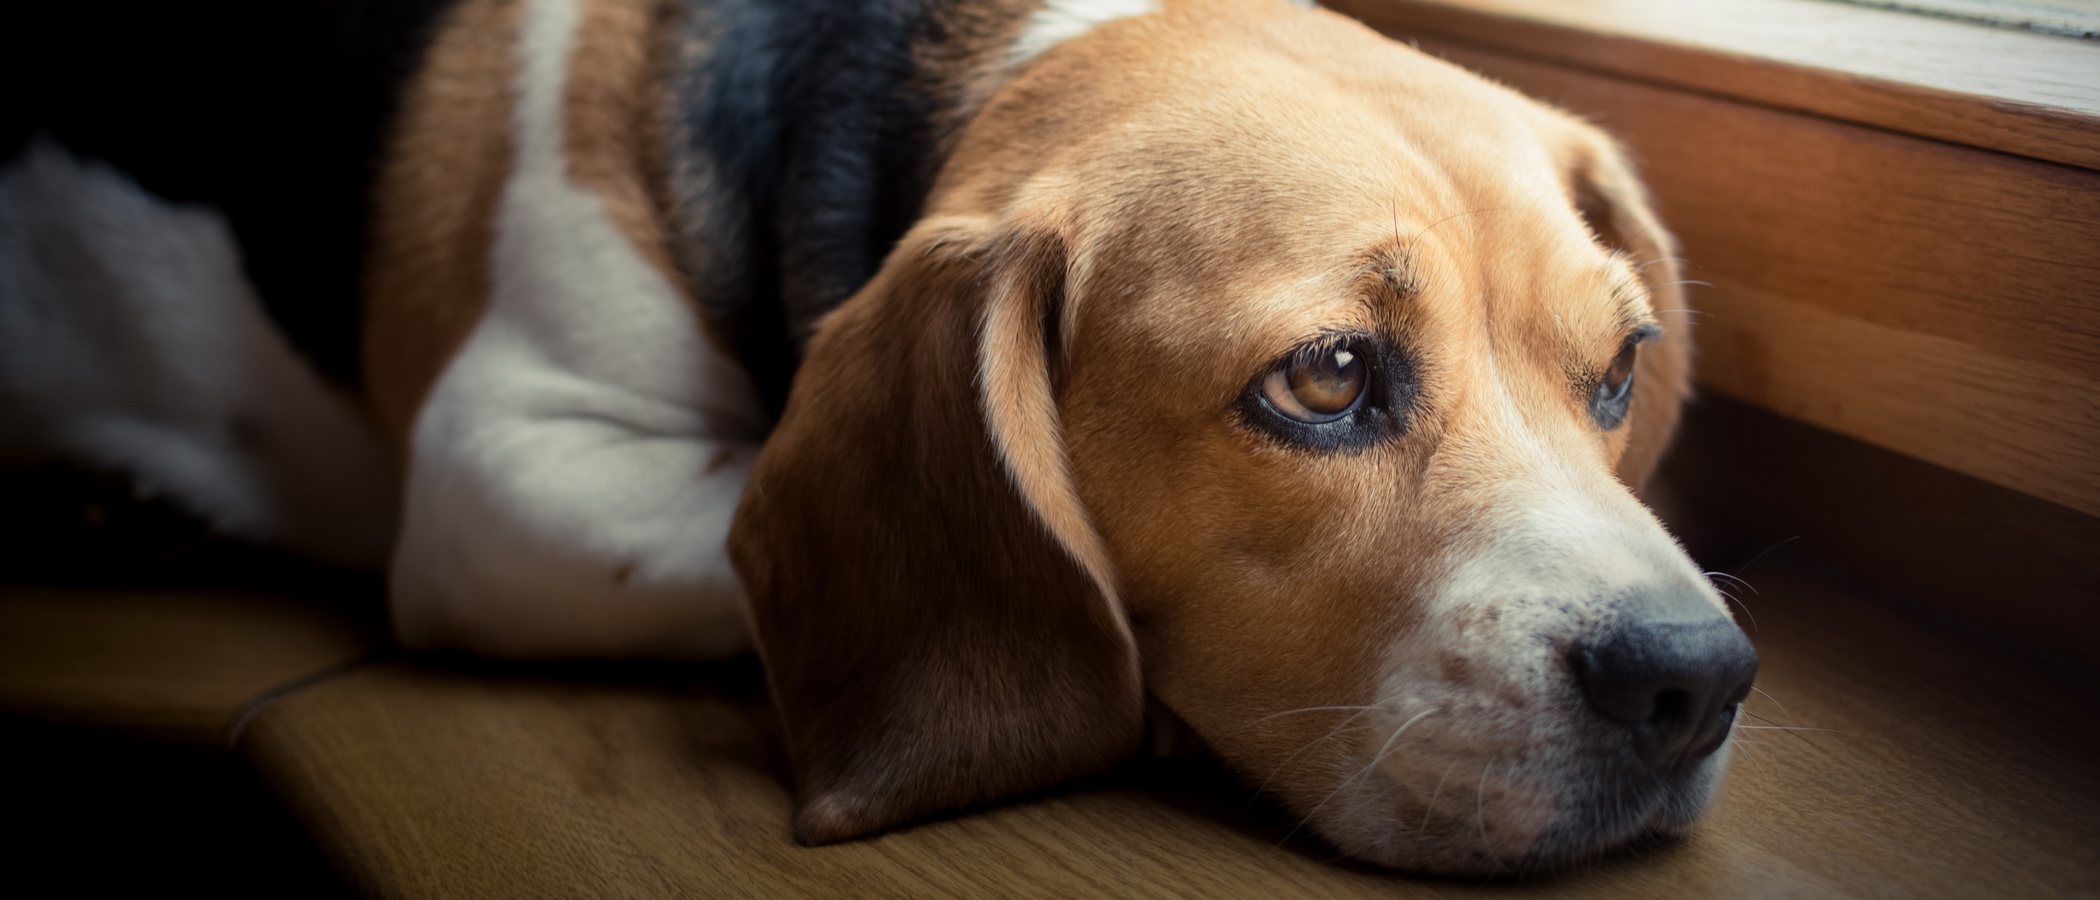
[1676,687]
[1671,704]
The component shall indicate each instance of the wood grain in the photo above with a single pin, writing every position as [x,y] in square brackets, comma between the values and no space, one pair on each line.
[2028,94]
[174,666]
[1949,770]
[1935,300]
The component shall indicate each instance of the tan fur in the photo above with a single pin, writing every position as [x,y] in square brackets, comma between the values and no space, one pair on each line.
[1615,203]
[614,112]
[921,532]
[434,209]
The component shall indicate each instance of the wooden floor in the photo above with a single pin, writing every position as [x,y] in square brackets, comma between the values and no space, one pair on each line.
[1922,764]
[1887,754]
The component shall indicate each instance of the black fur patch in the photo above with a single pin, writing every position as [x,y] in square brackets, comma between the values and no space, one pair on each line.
[806,146]
[805,141]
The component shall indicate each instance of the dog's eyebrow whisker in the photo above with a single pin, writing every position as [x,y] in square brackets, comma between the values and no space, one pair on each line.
[1660,260]
[1366,770]
[1459,215]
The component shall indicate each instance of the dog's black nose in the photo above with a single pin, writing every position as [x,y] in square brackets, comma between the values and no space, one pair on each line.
[1676,685]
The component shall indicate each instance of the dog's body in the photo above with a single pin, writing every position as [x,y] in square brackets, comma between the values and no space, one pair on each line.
[649,203]
[592,241]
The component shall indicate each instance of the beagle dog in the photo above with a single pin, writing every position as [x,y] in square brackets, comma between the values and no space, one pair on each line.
[995,368]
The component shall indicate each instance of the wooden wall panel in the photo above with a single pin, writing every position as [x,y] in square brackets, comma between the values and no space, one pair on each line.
[1936,300]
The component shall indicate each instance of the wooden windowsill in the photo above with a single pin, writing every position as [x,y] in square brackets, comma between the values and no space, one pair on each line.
[2027,94]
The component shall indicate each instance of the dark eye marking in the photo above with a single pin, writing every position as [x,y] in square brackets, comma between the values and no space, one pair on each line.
[1611,396]
[1336,392]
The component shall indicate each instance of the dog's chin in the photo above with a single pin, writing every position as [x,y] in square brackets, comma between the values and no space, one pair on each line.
[1529,829]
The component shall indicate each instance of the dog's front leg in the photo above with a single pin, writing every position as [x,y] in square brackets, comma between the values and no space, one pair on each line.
[558,517]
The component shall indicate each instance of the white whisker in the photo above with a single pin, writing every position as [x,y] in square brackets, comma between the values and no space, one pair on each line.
[1480,804]
[1397,732]
[1756,760]
[1433,795]
[1685,310]
[1763,553]
[1311,709]
[1738,601]
[1337,729]
[1735,578]
[1375,759]
[1775,701]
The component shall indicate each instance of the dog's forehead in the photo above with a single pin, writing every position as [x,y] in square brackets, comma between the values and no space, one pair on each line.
[1243,187]
[1438,258]
[1293,137]
[1245,179]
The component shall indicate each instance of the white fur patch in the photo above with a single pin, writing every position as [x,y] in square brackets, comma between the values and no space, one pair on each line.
[1559,524]
[576,466]
[130,338]
[1062,20]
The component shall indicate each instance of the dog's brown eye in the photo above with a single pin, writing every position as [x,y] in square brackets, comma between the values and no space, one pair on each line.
[1336,393]
[1319,388]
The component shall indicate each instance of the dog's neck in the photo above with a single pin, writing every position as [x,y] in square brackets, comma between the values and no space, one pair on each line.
[805,135]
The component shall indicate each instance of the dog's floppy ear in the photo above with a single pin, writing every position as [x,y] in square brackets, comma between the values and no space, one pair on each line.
[937,617]
[1615,204]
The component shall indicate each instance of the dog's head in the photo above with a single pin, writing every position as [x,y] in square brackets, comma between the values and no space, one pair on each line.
[1303,381]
